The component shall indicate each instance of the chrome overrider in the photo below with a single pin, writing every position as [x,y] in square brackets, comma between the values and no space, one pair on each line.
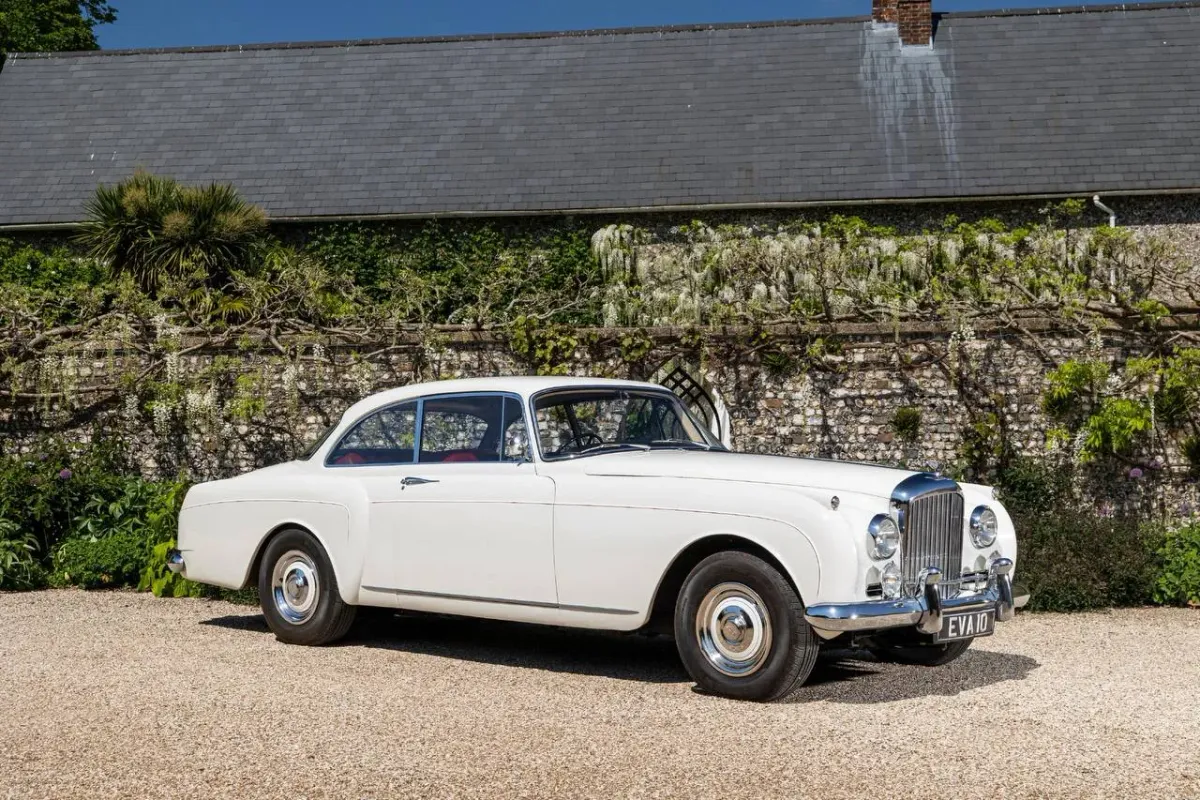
[175,562]
[923,610]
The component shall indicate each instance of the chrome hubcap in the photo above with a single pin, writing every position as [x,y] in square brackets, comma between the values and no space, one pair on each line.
[733,629]
[295,586]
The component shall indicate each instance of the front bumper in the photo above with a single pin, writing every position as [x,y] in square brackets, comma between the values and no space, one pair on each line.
[924,610]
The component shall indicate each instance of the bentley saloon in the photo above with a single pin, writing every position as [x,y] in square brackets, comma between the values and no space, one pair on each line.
[606,504]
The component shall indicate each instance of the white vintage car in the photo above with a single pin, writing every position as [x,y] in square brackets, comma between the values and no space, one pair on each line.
[606,504]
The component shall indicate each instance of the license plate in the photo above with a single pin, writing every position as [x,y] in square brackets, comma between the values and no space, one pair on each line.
[967,625]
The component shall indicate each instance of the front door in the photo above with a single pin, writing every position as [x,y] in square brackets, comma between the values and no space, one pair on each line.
[472,519]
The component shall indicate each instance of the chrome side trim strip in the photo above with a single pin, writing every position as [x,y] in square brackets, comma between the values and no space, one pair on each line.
[499,601]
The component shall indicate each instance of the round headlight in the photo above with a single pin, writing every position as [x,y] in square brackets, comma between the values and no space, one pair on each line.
[885,537]
[890,581]
[984,526]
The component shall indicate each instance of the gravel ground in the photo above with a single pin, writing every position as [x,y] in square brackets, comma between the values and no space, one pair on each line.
[122,695]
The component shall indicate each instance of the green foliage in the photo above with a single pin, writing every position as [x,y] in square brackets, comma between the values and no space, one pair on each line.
[1115,427]
[1071,558]
[134,506]
[983,446]
[33,26]
[1073,561]
[547,349]
[60,505]
[18,557]
[906,424]
[1073,383]
[1119,413]
[474,273]
[152,228]
[42,492]
[1030,487]
[635,346]
[1179,579]
[100,563]
[156,578]
[53,269]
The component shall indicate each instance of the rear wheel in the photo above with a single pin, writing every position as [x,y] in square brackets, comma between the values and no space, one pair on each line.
[298,591]
[927,655]
[740,629]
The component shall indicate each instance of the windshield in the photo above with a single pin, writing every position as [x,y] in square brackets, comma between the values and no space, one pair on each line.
[571,423]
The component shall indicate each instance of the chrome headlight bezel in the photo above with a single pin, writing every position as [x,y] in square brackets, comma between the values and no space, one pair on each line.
[885,537]
[985,527]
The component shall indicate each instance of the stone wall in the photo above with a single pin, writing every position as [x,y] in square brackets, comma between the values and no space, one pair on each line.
[841,405]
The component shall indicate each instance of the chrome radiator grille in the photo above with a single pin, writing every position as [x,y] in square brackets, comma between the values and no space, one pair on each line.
[932,536]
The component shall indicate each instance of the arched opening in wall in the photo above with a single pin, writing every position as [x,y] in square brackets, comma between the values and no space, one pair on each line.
[698,396]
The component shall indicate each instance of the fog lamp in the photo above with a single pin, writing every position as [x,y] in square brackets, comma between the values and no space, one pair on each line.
[885,537]
[984,527]
[891,581]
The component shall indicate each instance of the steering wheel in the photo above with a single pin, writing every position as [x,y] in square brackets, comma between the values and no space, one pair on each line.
[580,443]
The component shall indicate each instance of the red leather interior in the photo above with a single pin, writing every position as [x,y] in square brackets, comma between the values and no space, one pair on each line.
[460,455]
[350,458]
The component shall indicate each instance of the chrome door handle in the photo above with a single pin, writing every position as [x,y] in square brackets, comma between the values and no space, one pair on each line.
[411,481]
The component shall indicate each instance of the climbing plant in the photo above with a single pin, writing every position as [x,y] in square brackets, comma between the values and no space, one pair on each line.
[1136,412]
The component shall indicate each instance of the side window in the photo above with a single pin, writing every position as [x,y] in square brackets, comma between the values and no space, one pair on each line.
[385,437]
[461,429]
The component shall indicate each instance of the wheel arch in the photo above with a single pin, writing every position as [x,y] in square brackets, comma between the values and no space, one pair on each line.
[294,525]
[662,607]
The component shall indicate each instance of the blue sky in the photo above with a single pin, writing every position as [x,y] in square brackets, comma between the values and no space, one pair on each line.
[174,23]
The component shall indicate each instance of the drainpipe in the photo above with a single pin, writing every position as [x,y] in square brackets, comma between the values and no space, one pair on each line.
[1112,223]
[1112,215]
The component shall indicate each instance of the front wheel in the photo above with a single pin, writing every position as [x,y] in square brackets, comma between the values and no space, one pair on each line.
[740,629]
[299,593]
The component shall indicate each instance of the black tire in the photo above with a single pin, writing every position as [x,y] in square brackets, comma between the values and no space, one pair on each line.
[924,655]
[328,618]
[784,661]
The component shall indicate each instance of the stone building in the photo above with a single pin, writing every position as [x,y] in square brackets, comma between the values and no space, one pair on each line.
[901,116]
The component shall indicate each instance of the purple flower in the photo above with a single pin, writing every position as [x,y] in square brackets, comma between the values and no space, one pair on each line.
[1158,462]
[65,474]
[1107,510]
[1136,473]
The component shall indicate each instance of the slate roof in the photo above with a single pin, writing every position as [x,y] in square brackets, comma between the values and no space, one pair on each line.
[1004,104]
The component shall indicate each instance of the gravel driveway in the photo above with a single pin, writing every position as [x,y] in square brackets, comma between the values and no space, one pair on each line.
[123,695]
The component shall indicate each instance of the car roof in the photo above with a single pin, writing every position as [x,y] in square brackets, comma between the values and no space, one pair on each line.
[523,385]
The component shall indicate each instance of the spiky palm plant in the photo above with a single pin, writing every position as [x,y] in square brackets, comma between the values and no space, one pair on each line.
[152,228]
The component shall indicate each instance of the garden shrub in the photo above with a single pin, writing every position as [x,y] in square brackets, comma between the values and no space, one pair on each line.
[19,567]
[1073,561]
[23,264]
[1070,558]
[80,516]
[1179,578]
[43,492]
[100,563]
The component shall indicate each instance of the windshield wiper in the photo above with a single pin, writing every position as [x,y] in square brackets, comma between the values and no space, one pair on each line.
[610,446]
[681,444]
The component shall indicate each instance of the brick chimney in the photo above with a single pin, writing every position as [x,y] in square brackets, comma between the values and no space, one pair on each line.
[884,11]
[913,17]
[916,22]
